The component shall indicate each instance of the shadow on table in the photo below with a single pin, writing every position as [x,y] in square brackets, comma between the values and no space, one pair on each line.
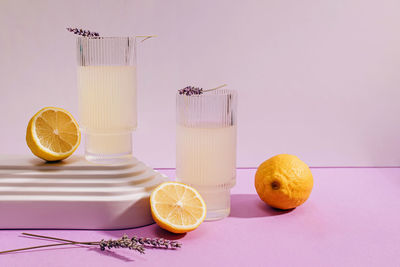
[152,230]
[250,206]
[110,253]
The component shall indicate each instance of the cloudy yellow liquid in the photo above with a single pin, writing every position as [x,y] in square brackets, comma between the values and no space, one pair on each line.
[206,159]
[107,107]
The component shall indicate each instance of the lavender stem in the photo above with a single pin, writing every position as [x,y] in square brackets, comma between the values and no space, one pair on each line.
[48,237]
[145,37]
[212,89]
[43,246]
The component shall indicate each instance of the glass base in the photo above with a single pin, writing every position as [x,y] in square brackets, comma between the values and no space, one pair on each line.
[108,159]
[108,148]
[218,204]
[213,215]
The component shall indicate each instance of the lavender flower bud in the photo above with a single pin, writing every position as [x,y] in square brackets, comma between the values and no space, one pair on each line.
[84,33]
[190,90]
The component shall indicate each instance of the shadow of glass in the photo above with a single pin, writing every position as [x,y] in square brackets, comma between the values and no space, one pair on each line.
[250,206]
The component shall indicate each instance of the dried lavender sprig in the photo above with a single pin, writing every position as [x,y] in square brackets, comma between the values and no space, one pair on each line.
[135,243]
[123,242]
[191,90]
[84,33]
[157,242]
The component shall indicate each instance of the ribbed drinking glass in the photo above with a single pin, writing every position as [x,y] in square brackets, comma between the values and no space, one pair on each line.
[206,147]
[107,96]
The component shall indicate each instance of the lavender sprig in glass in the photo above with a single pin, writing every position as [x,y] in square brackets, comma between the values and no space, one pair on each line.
[84,33]
[191,90]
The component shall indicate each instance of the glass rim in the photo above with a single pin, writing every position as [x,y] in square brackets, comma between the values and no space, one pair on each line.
[106,37]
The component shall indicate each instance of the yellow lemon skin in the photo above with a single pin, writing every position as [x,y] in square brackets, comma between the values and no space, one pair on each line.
[40,140]
[284,181]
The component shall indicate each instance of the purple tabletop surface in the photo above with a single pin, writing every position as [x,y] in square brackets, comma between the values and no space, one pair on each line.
[352,218]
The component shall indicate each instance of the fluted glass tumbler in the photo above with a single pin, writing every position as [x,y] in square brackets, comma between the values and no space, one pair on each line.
[206,147]
[107,96]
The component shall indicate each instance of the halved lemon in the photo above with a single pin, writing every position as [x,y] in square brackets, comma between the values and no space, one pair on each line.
[177,207]
[53,134]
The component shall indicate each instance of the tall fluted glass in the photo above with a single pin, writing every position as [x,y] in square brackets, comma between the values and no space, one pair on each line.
[107,96]
[206,147]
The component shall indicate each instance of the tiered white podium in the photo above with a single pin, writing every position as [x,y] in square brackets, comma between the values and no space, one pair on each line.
[74,194]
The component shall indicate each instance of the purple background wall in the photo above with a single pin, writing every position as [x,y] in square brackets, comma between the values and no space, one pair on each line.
[319,79]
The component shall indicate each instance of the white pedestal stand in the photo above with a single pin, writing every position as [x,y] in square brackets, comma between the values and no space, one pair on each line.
[74,194]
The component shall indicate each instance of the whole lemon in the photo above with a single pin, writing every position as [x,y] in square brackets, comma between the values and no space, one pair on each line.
[284,181]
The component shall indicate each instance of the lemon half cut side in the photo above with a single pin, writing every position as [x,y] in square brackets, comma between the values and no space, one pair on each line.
[177,207]
[53,134]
